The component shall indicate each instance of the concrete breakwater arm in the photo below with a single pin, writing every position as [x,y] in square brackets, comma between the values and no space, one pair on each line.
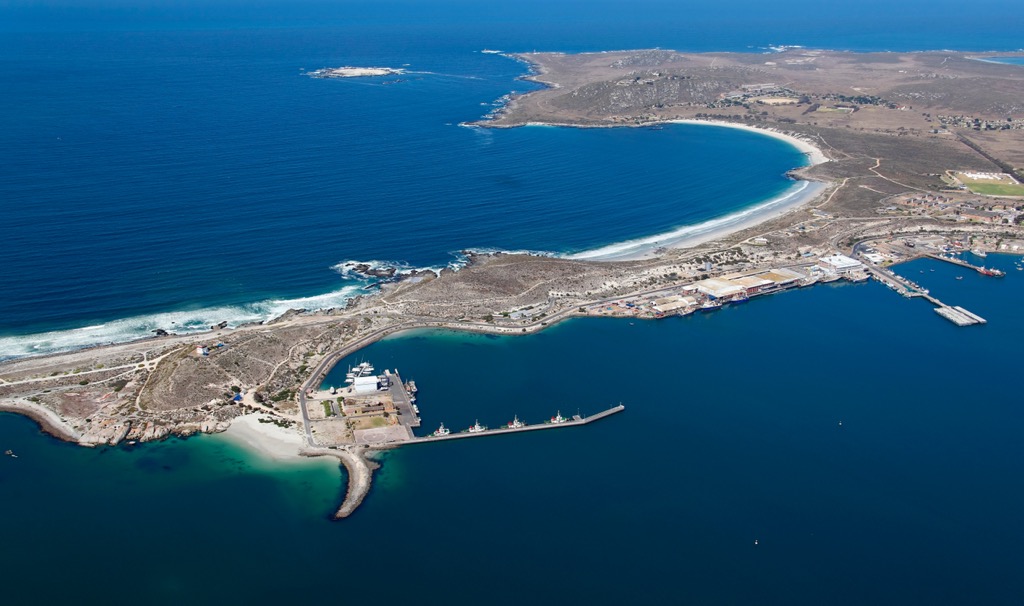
[360,476]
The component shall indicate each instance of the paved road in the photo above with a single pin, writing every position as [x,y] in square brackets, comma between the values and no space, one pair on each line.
[321,370]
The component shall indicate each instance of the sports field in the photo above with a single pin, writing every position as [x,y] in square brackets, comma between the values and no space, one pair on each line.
[991,184]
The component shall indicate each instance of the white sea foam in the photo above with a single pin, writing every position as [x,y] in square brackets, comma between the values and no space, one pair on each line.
[179,322]
[691,235]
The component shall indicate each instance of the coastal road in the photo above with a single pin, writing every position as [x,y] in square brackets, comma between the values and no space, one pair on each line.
[322,368]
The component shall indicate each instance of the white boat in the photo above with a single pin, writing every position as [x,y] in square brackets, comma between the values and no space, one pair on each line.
[710,305]
[516,423]
[477,428]
[979,253]
[416,409]
[558,418]
[441,431]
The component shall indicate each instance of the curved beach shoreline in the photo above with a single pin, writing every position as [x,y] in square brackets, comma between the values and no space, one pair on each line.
[688,236]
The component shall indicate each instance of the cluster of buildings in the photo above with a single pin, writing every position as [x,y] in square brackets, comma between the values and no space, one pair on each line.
[980,123]
[711,293]
[767,93]
[968,211]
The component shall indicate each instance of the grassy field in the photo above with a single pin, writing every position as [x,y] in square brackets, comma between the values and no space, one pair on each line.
[997,185]
[996,189]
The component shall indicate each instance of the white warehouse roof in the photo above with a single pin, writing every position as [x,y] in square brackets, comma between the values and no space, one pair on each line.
[841,262]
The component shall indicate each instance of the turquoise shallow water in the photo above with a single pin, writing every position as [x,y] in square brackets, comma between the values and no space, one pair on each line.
[125,140]
[731,435]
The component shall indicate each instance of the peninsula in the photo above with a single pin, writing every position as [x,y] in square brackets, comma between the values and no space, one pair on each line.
[909,154]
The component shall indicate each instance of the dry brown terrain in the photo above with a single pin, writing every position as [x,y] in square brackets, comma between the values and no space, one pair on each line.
[892,126]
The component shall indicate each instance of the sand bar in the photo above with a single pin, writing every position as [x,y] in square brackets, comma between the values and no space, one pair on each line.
[266,439]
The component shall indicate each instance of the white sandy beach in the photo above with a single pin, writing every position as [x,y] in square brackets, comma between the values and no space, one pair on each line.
[814,154]
[267,439]
[688,236]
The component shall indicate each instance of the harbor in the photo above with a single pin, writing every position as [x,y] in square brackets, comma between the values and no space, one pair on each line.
[381,411]
[515,426]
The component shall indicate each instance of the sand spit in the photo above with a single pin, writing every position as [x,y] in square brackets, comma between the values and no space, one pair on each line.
[46,418]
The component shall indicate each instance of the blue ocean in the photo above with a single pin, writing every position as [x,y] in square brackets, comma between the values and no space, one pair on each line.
[170,165]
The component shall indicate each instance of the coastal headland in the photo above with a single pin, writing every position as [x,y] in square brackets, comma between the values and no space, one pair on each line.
[888,138]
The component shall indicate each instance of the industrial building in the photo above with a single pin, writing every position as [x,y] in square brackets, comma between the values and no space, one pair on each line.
[673,303]
[840,264]
[365,385]
[718,288]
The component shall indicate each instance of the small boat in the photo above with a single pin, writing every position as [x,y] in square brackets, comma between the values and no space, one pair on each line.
[558,418]
[516,423]
[477,428]
[959,277]
[10,453]
[441,431]
[710,306]
[416,409]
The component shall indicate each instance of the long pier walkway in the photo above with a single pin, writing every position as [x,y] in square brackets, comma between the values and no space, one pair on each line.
[576,420]
[957,261]
[955,314]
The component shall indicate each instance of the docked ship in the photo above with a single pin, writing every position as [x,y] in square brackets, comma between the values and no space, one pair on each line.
[363,369]
[995,273]
[516,423]
[477,428]
[558,418]
[710,305]
[441,431]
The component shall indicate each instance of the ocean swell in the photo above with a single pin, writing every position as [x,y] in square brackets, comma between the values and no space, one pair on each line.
[177,322]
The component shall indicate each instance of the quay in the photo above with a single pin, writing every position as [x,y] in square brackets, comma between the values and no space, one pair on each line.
[403,403]
[959,316]
[575,421]
[956,261]
[955,314]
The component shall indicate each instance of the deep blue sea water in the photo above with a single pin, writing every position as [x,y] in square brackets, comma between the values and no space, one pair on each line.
[171,157]
[870,447]
[169,166]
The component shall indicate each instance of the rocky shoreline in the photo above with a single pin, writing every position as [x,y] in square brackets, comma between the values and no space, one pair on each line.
[183,385]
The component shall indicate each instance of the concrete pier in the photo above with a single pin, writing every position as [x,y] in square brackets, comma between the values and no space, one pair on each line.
[959,316]
[407,416]
[575,421]
[955,261]
[955,314]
